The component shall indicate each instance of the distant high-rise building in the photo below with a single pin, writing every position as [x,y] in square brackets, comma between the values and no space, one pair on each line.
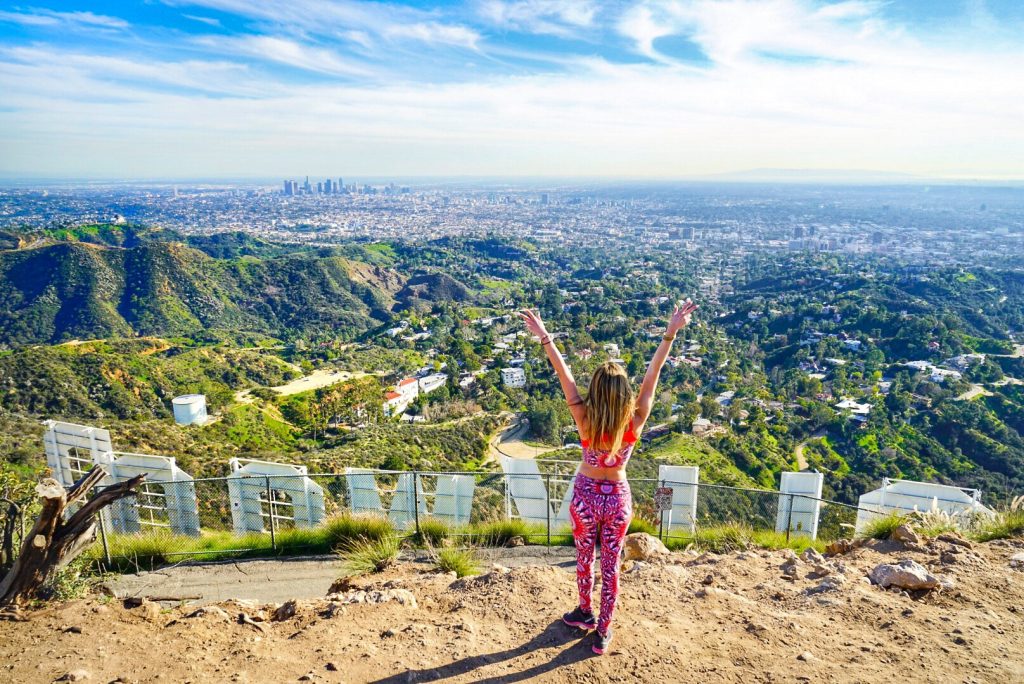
[319,188]
[341,185]
[306,187]
[798,232]
[544,199]
[287,187]
[687,233]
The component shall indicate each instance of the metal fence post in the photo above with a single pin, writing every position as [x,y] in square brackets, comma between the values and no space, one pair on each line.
[508,499]
[789,520]
[270,507]
[416,499]
[661,520]
[547,502]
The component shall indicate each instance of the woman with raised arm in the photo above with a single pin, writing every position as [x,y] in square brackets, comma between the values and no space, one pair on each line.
[610,419]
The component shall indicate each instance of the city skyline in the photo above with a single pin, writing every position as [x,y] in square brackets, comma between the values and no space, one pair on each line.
[536,88]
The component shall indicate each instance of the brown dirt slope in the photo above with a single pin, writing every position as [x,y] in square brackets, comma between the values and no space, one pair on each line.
[729,618]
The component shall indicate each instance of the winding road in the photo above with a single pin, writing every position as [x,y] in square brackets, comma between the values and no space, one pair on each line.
[799,451]
[509,442]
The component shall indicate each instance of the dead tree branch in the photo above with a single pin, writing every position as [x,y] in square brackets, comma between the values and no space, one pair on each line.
[55,541]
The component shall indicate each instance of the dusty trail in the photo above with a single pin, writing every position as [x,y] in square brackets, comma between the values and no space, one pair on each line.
[315,380]
[799,451]
[732,618]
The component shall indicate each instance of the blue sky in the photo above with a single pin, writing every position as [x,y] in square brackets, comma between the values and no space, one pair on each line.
[622,88]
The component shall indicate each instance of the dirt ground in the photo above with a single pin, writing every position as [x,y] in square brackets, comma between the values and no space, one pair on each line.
[683,618]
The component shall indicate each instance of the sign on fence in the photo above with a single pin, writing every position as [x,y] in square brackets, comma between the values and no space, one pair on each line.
[663,499]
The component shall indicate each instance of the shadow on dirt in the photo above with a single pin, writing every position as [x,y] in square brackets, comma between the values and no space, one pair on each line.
[555,634]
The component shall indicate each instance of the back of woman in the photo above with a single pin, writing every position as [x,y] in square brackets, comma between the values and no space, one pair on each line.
[610,419]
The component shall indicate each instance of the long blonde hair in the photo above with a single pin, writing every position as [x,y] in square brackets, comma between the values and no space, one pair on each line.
[610,406]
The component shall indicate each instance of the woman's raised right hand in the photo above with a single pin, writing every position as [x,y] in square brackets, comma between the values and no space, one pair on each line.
[681,316]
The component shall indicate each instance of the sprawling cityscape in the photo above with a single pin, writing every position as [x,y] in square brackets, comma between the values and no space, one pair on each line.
[922,223]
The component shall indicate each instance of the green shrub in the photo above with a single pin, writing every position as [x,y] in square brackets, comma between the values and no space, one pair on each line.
[342,529]
[883,526]
[934,523]
[638,524]
[433,532]
[1005,524]
[723,538]
[70,582]
[770,539]
[367,556]
[462,562]
[501,532]
[737,537]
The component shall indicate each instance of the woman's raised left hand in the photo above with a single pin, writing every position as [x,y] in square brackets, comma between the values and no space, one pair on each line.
[534,323]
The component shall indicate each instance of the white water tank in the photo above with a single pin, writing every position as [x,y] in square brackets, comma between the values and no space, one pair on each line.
[189,409]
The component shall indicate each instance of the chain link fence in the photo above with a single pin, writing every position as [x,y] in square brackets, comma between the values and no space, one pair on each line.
[263,515]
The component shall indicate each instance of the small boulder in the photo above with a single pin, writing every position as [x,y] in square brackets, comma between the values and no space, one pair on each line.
[150,610]
[75,676]
[812,557]
[906,574]
[210,611]
[285,611]
[403,596]
[643,547]
[1017,561]
[830,583]
[840,547]
[905,533]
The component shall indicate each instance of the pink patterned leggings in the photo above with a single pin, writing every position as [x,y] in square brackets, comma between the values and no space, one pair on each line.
[600,507]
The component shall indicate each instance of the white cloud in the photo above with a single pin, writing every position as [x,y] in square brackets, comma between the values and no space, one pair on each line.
[433,32]
[343,18]
[639,25]
[857,93]
[556,17]
[46,17]
[284,51]
[209,21]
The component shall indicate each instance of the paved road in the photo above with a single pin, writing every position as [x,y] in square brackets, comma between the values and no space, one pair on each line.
[509,442]
[974,391]
[278,580]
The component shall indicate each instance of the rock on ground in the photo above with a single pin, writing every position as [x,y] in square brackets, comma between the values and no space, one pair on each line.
[905,533]
[906,574]
[642,546]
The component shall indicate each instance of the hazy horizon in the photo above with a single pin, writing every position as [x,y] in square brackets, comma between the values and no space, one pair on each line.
[645,90]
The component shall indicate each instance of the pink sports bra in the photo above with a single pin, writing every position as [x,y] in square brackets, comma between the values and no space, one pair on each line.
[605,459]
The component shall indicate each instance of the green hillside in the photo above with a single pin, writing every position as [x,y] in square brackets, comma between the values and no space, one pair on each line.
[76,290]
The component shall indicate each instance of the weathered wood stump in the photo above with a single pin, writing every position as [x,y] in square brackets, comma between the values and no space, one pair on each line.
[55,541]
